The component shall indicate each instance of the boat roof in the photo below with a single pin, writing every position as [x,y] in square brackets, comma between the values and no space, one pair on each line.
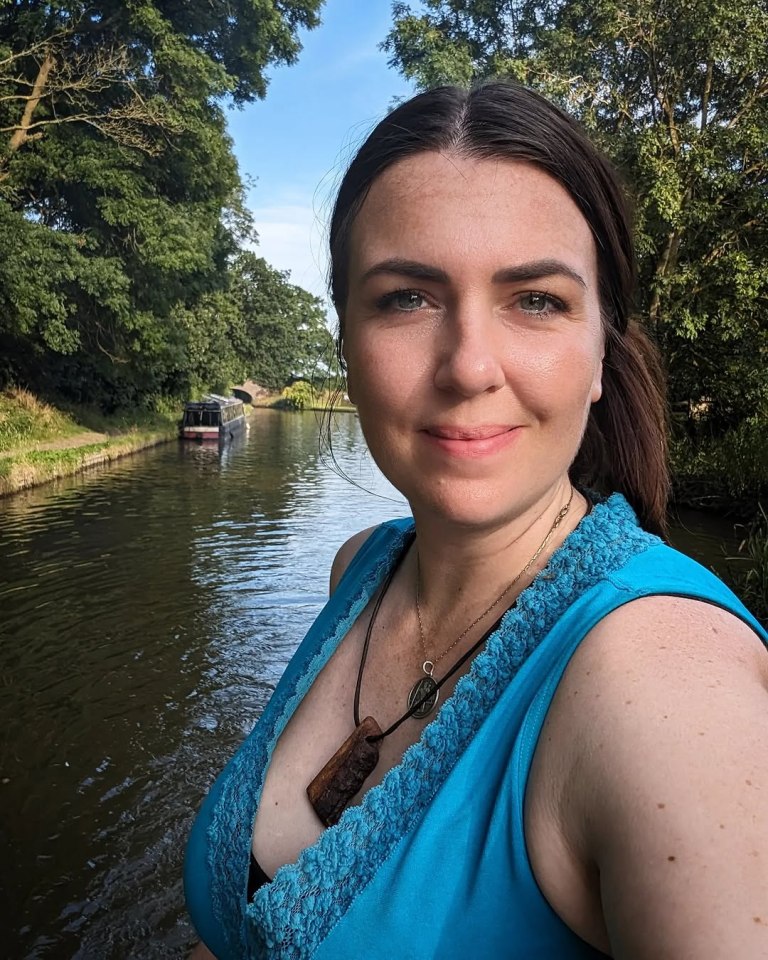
[211,401]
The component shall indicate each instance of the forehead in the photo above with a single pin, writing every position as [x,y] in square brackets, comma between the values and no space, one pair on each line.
[447,208]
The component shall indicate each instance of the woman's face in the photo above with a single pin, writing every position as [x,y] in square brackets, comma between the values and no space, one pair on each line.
[472,333]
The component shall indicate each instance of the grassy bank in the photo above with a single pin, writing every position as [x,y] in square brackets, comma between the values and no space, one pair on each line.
[747,570]
[302,396]
[727,474]
[39,442]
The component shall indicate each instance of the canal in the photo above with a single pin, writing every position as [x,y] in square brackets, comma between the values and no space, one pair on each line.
[146,613]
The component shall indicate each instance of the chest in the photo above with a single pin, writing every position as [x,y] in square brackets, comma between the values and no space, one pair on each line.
[285,822]
[456,795]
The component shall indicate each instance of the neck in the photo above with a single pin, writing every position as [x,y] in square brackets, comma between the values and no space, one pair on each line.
[462,569]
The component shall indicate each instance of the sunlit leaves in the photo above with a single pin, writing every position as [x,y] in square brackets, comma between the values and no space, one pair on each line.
[120,200]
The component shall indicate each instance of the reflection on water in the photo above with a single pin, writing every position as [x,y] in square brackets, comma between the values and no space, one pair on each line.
[146,613]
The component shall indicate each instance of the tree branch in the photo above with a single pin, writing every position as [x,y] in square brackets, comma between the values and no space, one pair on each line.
[21,132]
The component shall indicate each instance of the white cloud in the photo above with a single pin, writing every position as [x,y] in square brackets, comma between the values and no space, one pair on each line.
[292,237]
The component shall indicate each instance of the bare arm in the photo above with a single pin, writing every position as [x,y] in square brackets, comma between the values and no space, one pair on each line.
[344,557]
[673,796]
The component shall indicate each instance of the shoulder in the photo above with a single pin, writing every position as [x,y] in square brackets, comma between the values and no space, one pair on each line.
[668,679]
[663,709]
[345,554]
[655,638]
[371,545]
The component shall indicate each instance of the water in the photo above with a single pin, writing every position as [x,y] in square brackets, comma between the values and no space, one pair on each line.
[146,614]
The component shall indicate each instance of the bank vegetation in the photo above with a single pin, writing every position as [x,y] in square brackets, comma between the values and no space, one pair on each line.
[677,95]
[131,277]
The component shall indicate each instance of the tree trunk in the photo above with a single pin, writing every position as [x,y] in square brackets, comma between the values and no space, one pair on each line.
[665,266]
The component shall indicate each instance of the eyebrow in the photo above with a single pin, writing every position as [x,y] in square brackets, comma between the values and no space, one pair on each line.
[533,270]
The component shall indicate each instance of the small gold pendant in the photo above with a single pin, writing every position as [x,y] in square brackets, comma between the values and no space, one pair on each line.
[425,687]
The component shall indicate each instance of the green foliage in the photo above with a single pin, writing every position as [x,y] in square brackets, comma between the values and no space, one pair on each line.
[677,94]
[747,571]
[727,473]
[24,419]
[299,396]
[120,200]
[284,327]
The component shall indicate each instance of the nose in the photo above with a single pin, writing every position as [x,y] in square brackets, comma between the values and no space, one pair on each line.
[470,360]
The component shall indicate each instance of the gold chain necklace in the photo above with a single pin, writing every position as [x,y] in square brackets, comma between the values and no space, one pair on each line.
[425,691]
[344,774]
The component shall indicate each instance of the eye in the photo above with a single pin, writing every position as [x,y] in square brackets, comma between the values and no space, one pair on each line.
[535,302]
[405,300]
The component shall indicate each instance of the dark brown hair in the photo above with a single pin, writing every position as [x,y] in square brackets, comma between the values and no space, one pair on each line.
[625,443]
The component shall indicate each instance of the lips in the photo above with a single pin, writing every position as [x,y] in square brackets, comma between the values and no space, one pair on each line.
[470,441]
[468,433]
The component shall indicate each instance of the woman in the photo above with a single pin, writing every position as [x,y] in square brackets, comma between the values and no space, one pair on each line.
[592,780]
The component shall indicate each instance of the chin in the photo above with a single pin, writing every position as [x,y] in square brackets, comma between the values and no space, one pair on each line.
[472,509]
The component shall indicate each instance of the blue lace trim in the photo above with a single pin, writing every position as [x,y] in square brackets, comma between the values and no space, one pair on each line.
[291,916]
[229,832]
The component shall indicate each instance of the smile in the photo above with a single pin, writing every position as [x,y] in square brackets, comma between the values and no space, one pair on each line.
[471,442]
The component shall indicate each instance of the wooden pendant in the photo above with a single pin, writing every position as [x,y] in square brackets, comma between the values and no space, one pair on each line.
[426,687]
[344,774]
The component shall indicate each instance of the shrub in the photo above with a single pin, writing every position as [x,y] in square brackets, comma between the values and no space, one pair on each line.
[299,396]
[747,572]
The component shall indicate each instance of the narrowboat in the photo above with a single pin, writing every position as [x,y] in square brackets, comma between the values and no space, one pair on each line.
[212,418]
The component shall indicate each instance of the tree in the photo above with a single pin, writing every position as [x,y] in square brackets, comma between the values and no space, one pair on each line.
[676,92]
[120,199]
[283,326]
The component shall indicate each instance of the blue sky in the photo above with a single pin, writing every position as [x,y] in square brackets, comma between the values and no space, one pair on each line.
[296,142]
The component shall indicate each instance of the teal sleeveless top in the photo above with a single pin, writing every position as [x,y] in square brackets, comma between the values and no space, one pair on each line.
[433,861]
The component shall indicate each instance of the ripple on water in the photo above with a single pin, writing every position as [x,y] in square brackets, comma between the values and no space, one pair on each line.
[148,612]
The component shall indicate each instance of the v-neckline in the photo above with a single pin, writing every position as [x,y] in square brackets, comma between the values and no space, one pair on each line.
[329,646]
[291,915]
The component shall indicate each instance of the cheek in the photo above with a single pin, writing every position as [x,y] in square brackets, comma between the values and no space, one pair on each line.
[384,371]
[559,377]
[369,383]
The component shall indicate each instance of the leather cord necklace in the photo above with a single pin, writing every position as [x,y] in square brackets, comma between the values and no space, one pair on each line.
[344,774]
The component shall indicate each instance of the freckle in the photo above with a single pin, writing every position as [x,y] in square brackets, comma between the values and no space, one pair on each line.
[701,733]
[666,716]
[748,783]
[722,826]
[588,672]
[661,805]
[757,919]
[671,859]
[627,702]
